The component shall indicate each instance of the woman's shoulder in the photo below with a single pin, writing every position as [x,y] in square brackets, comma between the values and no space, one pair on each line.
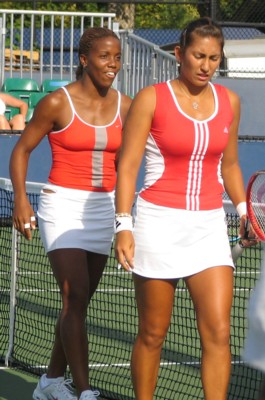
[226,94]
[145,92]
[54,99]
[126,100]
[224,89]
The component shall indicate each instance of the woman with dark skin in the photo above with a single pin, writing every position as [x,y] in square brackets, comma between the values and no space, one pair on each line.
[188,129]
[83,122]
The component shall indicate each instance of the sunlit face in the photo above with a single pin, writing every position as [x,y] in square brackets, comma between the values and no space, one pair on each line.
[200,60]
[103,61]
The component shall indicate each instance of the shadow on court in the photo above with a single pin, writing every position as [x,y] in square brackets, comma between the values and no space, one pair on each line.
[16,386]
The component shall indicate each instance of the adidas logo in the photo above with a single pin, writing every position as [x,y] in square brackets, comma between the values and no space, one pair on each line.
[226,130]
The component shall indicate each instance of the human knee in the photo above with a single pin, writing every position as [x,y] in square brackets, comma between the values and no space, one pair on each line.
[4,124]
[217,335]
[75,301]
[153,338]
[18,122]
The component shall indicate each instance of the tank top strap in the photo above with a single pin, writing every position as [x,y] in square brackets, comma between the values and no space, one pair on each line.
[69,99]
[119,100]
[118,107]
[73,108]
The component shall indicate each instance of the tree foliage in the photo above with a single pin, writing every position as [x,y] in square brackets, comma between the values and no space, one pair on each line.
[228,8]
[50,5]
[164,16]
[156,15]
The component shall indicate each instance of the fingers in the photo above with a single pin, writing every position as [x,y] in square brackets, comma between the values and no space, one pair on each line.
[249,238]
[33,222]
[124,250]
[127,265]
[251,241]
[26,227]
[247,233]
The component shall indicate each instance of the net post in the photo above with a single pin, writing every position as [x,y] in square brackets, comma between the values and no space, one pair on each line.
[14,250]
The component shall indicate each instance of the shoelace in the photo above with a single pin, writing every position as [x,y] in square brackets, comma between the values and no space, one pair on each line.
[67,388]
[95,393]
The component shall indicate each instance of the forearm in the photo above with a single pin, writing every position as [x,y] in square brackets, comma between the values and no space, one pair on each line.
[234,184]
[23,109]
[18,172]
[125,190]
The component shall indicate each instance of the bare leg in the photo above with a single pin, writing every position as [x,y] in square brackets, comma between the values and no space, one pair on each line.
[4,124]
[18,122]
[155,301]
[212,291]
[78,273]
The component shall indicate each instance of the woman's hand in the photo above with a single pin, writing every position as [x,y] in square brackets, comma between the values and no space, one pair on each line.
[124,249]
[247,233]
[24,218]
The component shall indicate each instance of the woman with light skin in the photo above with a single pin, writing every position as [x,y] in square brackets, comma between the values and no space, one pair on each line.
[188,130]
[83,121]
[17,122]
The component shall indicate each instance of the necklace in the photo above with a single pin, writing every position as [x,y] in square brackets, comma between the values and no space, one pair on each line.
[194,104]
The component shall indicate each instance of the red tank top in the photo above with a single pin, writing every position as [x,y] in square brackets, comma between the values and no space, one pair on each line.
[183,155]
[83,155]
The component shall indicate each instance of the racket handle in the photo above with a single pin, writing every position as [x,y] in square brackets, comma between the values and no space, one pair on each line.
[237,251]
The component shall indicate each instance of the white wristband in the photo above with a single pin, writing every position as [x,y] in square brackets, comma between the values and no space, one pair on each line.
[123,224]
[242,208]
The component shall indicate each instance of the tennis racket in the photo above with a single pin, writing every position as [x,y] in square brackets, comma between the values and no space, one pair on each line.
[256,203]
[238,249]
[255,210]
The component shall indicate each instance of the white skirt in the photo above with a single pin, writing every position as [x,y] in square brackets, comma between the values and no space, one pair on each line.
[172,243]
[254,349]
[70,218]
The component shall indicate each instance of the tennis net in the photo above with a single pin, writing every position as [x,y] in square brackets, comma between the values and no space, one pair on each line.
[30,303]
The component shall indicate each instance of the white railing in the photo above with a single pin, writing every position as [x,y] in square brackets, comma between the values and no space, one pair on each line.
[43,44]
[144,63]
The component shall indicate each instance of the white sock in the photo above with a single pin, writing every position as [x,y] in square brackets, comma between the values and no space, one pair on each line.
[44,381]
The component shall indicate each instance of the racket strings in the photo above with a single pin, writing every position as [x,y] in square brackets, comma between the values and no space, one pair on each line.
[256,205]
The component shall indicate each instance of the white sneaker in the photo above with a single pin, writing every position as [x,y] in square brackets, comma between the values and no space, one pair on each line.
[89,395]
[59,390]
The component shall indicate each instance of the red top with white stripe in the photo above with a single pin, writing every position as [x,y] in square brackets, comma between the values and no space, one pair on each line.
[183,155]
[83,155]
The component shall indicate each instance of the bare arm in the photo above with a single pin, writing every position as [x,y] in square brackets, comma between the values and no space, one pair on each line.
[14,102]
[135,135]
[42,122]
[126,101]
[231,171]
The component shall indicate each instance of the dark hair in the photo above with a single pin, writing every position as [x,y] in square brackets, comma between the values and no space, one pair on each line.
[203,27]
[89,36]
